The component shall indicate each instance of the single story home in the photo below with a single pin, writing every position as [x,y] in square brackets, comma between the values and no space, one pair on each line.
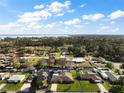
[62,77]
[4,76]
[78,60]
[92,77]
[98,60]
[111,77]
[16,78]
[103,75]
[105,69]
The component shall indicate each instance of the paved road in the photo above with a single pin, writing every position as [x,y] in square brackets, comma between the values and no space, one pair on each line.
[2,85]
[25,87]
[54,87]
[102,88]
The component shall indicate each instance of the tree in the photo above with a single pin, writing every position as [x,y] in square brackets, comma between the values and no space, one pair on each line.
[43,63]
[109,65]
[122,66]
[117,89]
[34,85]
[121,81]
[118,71]
[16,63]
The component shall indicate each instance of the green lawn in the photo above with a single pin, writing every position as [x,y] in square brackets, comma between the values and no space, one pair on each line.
[12,87]
[107,85]
[69,87]
[1,81]
[49,86]
[83,85]
[58,55]
[88,87]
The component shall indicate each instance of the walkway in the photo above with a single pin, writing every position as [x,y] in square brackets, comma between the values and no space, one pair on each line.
[25,87]
[102,88]
[2,85]
[54,87]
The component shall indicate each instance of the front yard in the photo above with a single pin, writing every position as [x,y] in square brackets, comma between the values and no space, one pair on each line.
[89,87]
[12,87]
[107,85]
[83,86]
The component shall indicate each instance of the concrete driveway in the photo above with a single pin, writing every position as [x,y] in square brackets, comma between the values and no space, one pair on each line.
[102,88]
[54,87]
[25,87]
[2,85]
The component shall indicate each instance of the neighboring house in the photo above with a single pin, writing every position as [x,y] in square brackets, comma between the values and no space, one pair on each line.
[98,60]
[62,77]
[2,65]
[78,60]
[29,69]
[4,76]
[111,77]
[16,78]
[103,69]
[92,77]
[103,75]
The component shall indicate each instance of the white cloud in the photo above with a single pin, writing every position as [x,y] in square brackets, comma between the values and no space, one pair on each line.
[75,21]
[112,22]
[39,7]
[93,17]
[116,14]
[83,5]
[107,28]
[58,7]
[33,22]
[71,11]
[34,16]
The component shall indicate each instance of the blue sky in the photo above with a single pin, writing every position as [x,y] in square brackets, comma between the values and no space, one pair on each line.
[61,16]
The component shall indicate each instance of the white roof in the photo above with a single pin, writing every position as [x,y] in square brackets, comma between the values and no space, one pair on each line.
[56,74]
[17,78]
[78,59]
[104,74]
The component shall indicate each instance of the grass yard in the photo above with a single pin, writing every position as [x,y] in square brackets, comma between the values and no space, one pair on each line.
[12,87]
[83,85]
[33,60]
[85,64]
[58,55]
[107,85]
[1,81]
[88,87]
[69,87]
[49,86]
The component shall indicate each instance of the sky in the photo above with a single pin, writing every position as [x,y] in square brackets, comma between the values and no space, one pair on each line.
[62,17]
